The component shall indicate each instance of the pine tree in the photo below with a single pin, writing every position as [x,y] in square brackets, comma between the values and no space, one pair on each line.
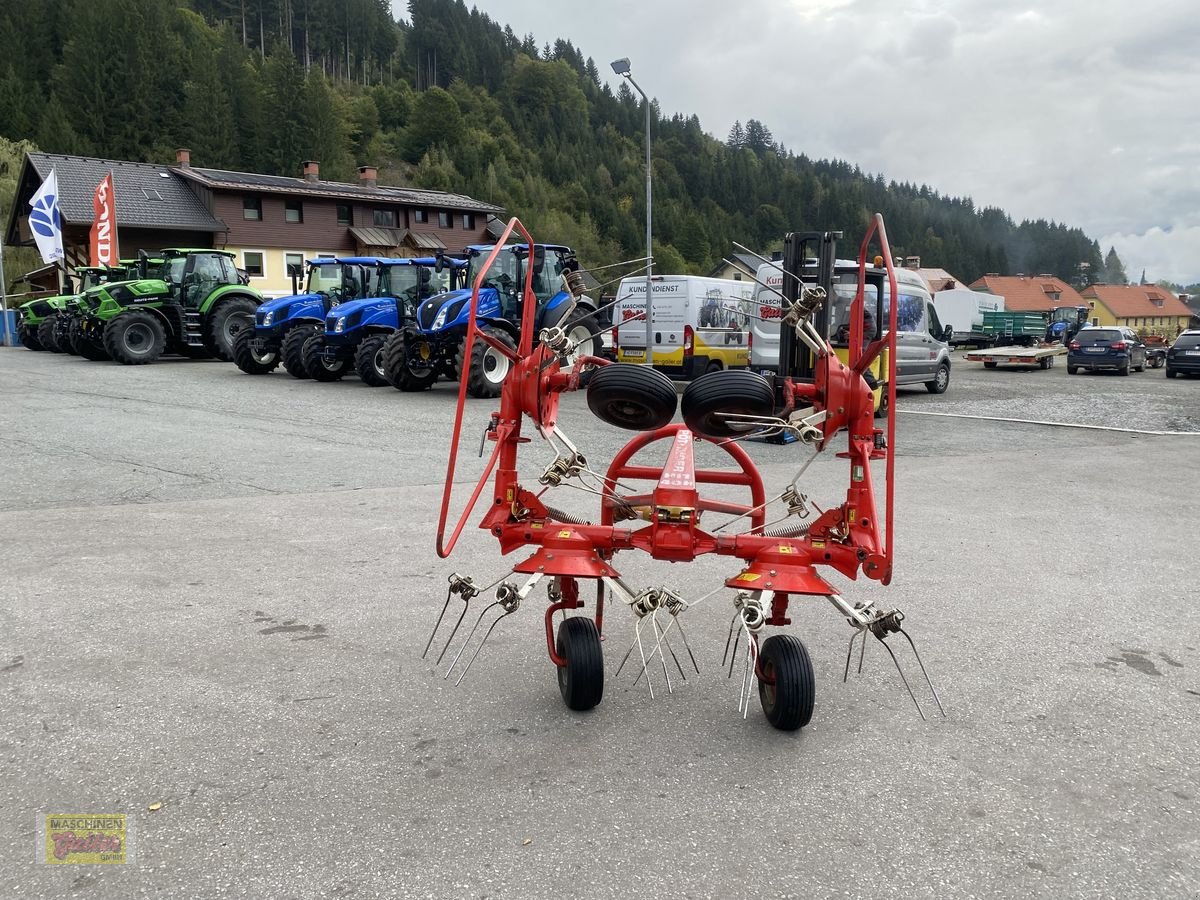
[1114,269]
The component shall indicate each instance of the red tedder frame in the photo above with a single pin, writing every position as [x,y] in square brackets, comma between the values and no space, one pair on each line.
[848,538]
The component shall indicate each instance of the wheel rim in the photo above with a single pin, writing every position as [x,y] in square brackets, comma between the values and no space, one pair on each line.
[264,359]
[943,378]
[378,362]
[766,686]
[138,338]
[233,324]
[495,366]
[579,336]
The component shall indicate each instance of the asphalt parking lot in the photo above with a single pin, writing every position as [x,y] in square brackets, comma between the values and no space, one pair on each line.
[217,589]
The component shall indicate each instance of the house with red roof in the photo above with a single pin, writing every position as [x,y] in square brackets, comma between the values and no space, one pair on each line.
[1031,293]
[1146,308]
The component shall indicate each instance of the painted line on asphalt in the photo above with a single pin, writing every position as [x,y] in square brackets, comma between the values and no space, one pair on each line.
[945,415]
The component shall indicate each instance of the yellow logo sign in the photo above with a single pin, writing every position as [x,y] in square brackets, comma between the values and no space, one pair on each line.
[749,576]
[85,840]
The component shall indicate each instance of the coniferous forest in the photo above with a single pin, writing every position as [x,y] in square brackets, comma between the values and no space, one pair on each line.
[450,99]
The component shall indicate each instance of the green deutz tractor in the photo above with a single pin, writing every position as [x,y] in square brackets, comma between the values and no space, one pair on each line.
[36,322]
[65,329]
[194,303]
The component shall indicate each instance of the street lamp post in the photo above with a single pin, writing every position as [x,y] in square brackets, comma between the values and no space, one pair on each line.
[622,68]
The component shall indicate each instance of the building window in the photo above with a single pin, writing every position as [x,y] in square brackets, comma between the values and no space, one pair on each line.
[293,211]
[254,263]
[445,220]
[293,259]
[421,216]
[252,209]
[345,214]
[385,218]
[469,221]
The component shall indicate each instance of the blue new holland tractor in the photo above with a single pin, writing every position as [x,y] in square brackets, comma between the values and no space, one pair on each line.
[433,346]
[282,325]
[355,332]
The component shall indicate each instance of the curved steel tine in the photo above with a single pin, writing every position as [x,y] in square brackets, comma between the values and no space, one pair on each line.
[850,652]
[637,636]
[438,623]
[862,654]
[663,637]
[896,662]
[932,689]
[729,639]
[628,653]
[453,631]
[474,628]
[487,635]
[686,645]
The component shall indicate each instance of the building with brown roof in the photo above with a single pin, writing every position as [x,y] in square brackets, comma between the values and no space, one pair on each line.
[1146,308]
[1031,293]
[269,221]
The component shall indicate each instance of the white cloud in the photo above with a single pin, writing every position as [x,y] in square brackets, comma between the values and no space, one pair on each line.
[1079,111]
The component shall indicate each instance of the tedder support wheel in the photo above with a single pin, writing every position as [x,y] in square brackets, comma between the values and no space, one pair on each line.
[636,398]
[581,679]
[247,359]
[317,366]
[711,399]
[787,684]
[135,337]
[368,361]
[224,323]
[488,367]
[292,349]
[405,367]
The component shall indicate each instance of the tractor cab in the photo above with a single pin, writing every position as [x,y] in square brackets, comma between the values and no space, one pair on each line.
[506,274]
[194,275]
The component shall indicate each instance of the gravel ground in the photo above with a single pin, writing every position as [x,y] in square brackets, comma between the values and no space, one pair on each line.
[217,589]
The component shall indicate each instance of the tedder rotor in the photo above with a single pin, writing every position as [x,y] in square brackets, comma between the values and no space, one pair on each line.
[817,395]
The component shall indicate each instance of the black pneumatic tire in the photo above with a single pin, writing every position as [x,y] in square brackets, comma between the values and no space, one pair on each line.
[29,338]
[710,399]
[636,398]
[223,325]
[135,337]
[314,362]
[45,335]
[581,680]
[401,374]
[292,349]
[789,690]
[368,361]
[488,367]
[247,360]
[92,350]
[941,380]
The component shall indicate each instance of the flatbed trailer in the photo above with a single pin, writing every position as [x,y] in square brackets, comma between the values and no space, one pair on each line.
[1041,356]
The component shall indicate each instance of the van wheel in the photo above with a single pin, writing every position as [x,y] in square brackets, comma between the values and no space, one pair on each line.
[713,366]
[941,380]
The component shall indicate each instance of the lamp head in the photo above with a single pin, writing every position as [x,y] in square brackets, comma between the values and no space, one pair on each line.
[621,66]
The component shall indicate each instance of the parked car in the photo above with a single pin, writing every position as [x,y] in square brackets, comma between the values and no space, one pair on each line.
[1184,356]
[1106,347]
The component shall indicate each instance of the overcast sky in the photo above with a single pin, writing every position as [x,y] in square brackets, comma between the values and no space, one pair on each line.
[1081,111]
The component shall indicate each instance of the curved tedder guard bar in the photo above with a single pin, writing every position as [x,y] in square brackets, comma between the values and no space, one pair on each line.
[528,311]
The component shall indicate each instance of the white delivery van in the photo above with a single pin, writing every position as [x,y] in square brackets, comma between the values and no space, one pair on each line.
[699,324]
[922,349]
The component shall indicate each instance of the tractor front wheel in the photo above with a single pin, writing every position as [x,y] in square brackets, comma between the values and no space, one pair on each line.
[135,337]
[369,361]
[46,336]
[292,349]
[406,368]
[29,339]
[224,323]
[317,366]
[248,359]
[488,367]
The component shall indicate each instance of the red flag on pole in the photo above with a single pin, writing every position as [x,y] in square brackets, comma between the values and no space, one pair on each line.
[104,225]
